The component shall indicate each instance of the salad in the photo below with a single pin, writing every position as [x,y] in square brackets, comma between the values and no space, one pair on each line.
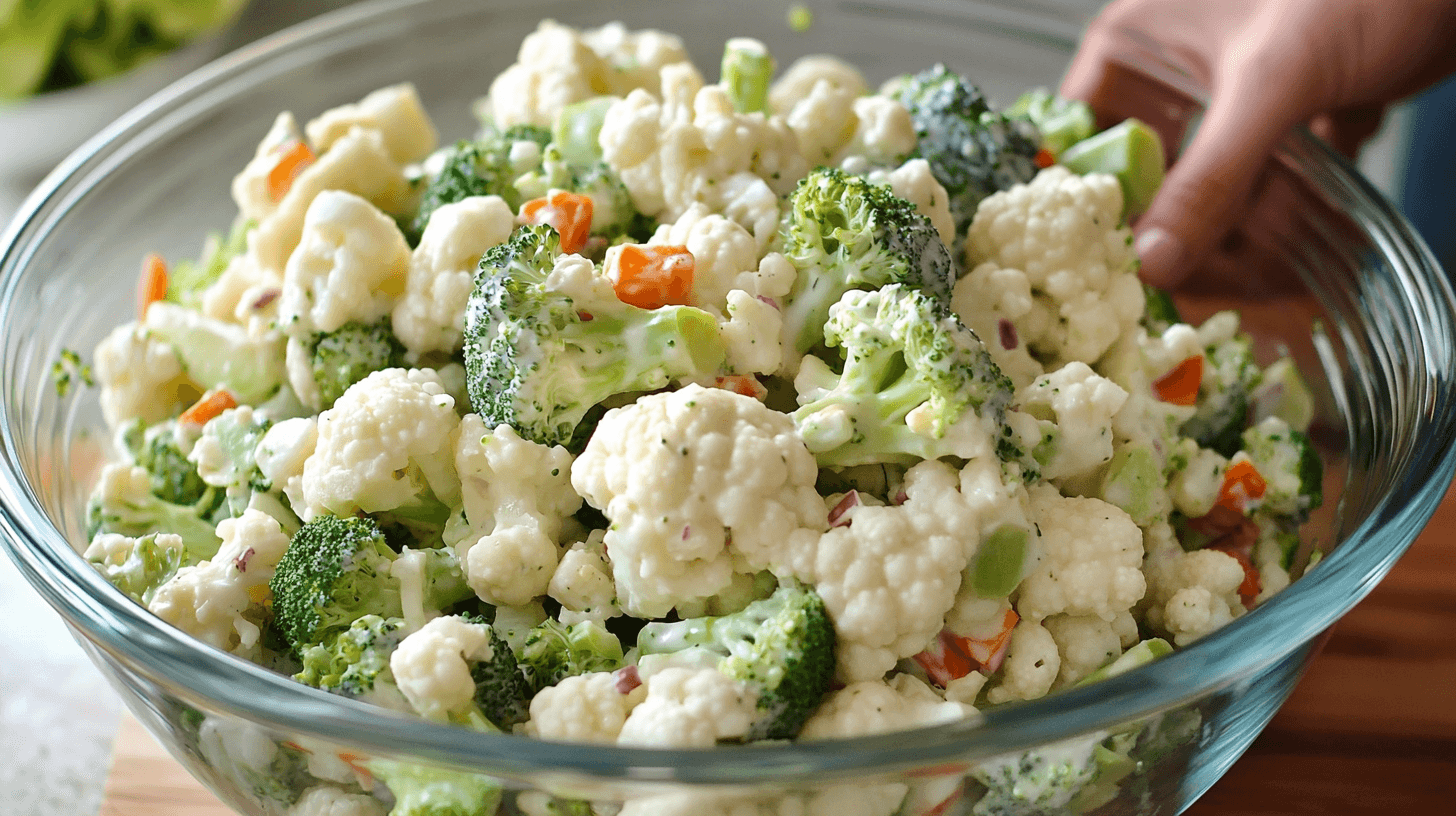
[670,413]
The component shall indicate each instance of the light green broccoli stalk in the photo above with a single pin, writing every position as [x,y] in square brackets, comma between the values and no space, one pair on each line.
[136,566]
[577,128]
[746,72]
[220,355]
[1132,152]
[782,647]
[488,166]
[972,150]
[901,354]
[350,353]
[842,233]
[554,652]
[1060,122]
[227,445]
[536,361]
[337,570]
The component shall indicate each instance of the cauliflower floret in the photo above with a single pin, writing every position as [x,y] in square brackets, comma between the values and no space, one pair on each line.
[914,182]
[250,188]
[725,255]
[748,200]
[1032,664]
[441,274]
[395,112]
[1062,232]
[220,601]
[800,79]
[833,800]
[282,452]
[1081,403]
[823,121]
[888,578]
[884,135]
[140,377]
[327,800]
[636,57]
[387,443]
[690,145]
[752,335]
[997,304]
[680,473]
[1091,563]
[876,707]
[431,665]
[588,707]
[690,708]
[351,264]
[516,495]
[245,293]
[1189,593]
[1086,643]
[358,163]
[582,582]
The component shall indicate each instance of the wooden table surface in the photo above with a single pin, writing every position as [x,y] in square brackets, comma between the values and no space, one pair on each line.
[1371,729]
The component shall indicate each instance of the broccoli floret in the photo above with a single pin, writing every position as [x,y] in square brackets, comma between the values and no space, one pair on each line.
[139,565]
[1037,782]
[1229,377]
[350,353]
[337,570]
[1290,466]
[355,663]
[972,150]
[488,166]
[501,692]
[188,279]
[842,233]
[613,213]
[1060,122]
[901,354]
[782,646]
[421,790]
[69,370]
[137,516]
[554,652]
[1159,310]
[536,361]
[158,450]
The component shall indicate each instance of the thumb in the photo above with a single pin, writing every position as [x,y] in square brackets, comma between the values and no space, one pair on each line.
[1207,187]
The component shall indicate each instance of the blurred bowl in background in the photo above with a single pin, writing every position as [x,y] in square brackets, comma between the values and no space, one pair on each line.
[1328,273]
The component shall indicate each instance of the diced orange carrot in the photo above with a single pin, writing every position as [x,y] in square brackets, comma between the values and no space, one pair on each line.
[649,276]
[569,214]
[293,156]
[1180,386]
[212,403]
[1239,551]
[1242,486]
[988,652]
[152,285]
[1045,158]
[952,656]
[740,384]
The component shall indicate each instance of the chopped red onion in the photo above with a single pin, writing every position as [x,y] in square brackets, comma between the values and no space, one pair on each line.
[839,516]
[1007,330]
[241,562]
[627,679]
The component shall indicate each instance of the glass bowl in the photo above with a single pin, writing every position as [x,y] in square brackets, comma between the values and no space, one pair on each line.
[1326,271]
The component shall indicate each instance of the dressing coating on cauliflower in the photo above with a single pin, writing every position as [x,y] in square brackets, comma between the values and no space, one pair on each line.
[690,708]
[588,707]
[1092,559]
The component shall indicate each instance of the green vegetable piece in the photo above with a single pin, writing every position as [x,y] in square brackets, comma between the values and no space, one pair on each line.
[747,70]
[142,566]
[421,790]
[538,362]
[355,663]
[1290,466]
[577,128]
[343,357]
[68,370]
[1283,393]
[1229,377]
[217,354]
[188,279]
[800,18]
[135,517]
[157,450]
[502,693]
[554,652]
[1159,310]
[1132,152]
[29,39]
[1144,652]
[1134,481]
[1000,562]
[783,646]
[1061,122]
[335,571]
[478,168]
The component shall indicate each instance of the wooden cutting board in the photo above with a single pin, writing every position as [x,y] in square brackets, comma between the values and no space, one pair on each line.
[1370,730]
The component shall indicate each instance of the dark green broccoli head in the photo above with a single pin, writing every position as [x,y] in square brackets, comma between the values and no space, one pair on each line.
[554,652]
[350,353]
[156,449]
[901,354]
[782,646]
[1229,377]
[501,691]
[841,233]
[972,150]
[140,567]
[356,661]
[479,168]
[537,361]
[335,571]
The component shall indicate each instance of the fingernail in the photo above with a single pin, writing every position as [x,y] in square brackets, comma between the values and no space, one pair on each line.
[1161,253]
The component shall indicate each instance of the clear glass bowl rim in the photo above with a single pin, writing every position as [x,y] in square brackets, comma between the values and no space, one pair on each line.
[219,681]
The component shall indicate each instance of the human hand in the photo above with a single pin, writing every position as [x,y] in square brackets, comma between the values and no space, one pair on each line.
[1269,65]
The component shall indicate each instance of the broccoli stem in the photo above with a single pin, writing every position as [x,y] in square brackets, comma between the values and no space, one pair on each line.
[747,69]
[1132,152]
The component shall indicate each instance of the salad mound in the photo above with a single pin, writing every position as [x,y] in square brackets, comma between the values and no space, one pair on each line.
[675,413]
